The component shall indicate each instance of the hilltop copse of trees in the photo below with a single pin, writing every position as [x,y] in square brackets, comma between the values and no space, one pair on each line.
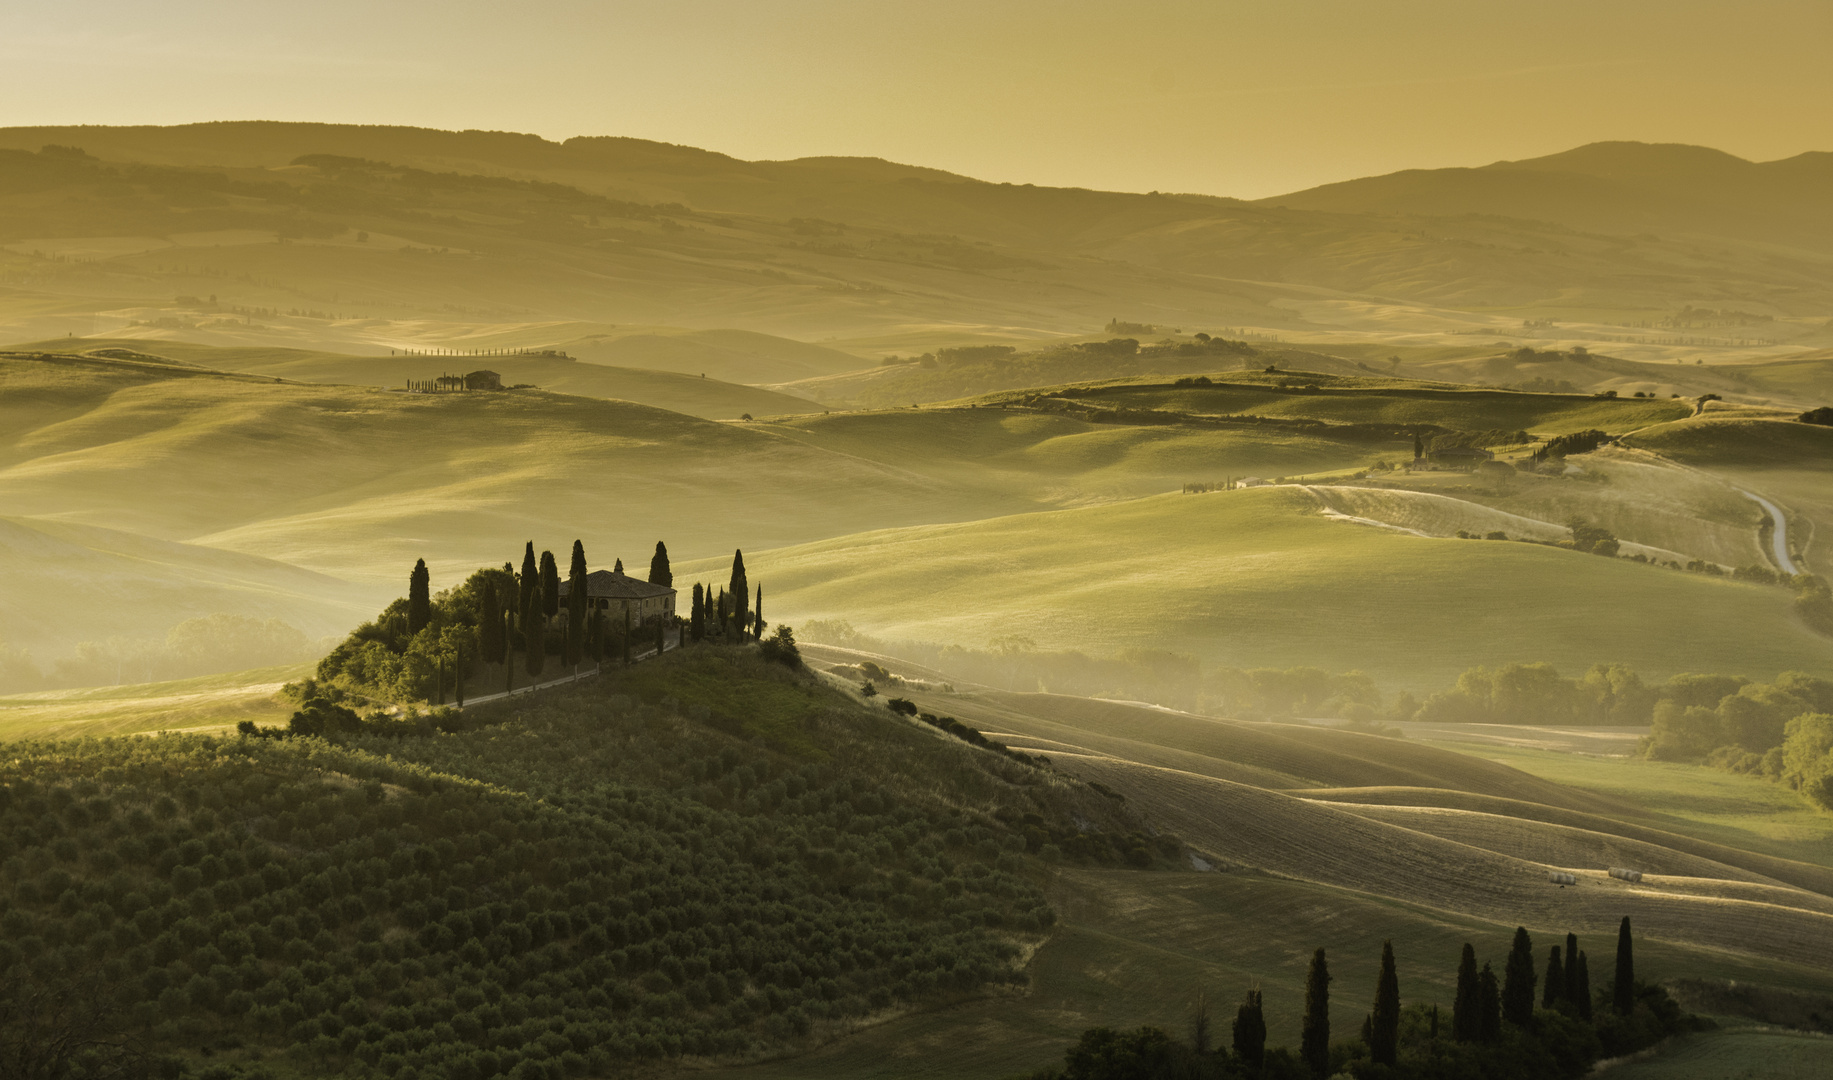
[712,855]
[506,625]
[1520,1024]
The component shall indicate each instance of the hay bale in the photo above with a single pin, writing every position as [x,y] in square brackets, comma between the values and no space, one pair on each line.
[1559,877]
[1625,874]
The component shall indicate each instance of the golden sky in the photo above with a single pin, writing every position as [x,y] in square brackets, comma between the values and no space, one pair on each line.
[1228,98]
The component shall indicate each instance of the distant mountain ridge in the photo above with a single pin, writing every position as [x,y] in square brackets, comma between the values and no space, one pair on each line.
[612,230]
[1612,186]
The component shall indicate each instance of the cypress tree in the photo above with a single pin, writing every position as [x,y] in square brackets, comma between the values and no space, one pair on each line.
[1555,990]
[576,600]
[659,573]
[1384,1029]
[1465,1027]
[550,585]
[534,636]
[490,624]
[738,589]
[757,615]
[661,636]
[529,577]
[1582,988]
[1518,981]
[1419,447]
[619,568]
[509,656]
[1624,990]
[1314,1039]
[1251,1031]
[1571,987]
[598,637]
[626,635]
[419,598]
[1489,1007]
[696,619]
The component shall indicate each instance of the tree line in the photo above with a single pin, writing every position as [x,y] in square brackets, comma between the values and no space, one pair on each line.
[1780,730]
[1528,1023]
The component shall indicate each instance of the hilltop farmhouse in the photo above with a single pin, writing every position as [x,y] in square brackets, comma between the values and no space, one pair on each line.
[616,593]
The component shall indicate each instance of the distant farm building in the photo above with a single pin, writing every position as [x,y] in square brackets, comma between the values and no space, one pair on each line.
[446,384]
[1253,481]
[616,594]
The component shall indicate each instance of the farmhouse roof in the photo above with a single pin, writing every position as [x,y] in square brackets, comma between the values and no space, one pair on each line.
[613,585]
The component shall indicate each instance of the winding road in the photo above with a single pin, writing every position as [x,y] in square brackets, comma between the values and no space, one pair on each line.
[1778,535]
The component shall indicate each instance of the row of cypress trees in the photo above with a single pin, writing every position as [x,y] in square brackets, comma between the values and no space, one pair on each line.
[731,614]
[514,605]
[1481,1007]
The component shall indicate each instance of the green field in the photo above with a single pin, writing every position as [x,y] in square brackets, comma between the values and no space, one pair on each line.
[1717,440]
[1744,812]
[1261,578]
[1065,458]
[205,703]
[358,482]
[1737,1055]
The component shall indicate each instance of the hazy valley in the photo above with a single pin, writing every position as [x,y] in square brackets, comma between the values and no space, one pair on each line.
[1324,570]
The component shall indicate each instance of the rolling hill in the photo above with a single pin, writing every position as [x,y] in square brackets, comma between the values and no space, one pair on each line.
[1613,186]
[359,481]
[710,399]
[62,583]
[350,236]
[1262,578]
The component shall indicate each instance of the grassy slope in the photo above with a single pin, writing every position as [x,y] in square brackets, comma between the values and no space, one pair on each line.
[62,583]
[709,398]
[1741,812]
[1766,1054]
[1063,457]
[1790,463]
[205,703]
[362,481]
[1134,949]
[1675,514]
[1260,578]
[1732,441]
